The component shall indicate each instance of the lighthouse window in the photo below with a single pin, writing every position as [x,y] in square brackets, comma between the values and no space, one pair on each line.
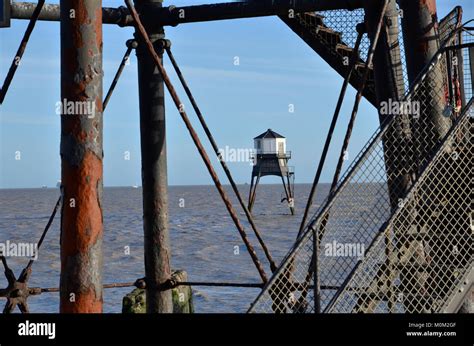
[258,145]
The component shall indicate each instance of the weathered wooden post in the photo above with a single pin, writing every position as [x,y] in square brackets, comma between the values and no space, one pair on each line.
[81,156]
[154,164]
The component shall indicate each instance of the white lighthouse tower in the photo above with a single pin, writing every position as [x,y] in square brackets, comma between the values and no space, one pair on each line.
[271,158]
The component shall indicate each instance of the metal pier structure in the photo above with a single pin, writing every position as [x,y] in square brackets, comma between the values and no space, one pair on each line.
[414,248]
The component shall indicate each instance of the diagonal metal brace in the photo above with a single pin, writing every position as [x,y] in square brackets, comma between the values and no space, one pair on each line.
[19,54]
[228,204]
[17,291]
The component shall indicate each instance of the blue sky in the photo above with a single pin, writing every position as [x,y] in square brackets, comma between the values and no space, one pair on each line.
[239,102]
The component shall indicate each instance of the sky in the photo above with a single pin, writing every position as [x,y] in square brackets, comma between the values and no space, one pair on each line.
[277,72]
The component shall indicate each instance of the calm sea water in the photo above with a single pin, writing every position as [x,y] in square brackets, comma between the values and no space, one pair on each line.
[203,239]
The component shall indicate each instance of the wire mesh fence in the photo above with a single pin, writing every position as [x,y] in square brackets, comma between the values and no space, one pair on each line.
[336,30]
[449,23]
[425,250]
[395,235]
[345,22]
[466,60]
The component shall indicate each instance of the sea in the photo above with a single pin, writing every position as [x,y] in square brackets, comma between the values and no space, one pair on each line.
[204,240]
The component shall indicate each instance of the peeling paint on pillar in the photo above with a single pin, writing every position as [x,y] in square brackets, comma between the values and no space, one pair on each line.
[81,157]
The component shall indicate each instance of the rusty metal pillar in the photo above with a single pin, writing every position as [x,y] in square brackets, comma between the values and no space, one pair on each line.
[421,37]
[81,156]
[389,85]
[420,33]
[154,164]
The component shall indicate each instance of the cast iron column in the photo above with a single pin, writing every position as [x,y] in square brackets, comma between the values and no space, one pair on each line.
[81,156]
[389,85]
[154,165]
[420,34]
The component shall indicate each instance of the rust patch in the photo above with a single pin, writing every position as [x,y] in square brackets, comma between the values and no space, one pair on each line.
[98,28]
[82,215]
[81,236]
[430,5]
[85,302]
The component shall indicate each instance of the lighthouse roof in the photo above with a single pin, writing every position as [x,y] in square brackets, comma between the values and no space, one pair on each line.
[269,134]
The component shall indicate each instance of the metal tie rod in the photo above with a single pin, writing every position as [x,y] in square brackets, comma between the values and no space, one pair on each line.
[131,44]
[19,54]
[47,227]
[141,30]
[332,127]
[355,108]
[313,268]
[35,291]
[222,161]
[17,291]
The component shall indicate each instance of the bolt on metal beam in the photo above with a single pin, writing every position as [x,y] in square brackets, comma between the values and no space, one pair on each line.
[51,13]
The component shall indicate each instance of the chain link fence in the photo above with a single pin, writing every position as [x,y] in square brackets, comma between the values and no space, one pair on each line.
[466,60]
[424,251]
[396,235]
[345,22]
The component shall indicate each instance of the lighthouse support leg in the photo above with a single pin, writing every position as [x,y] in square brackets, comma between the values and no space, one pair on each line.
[254,193]
[250,192]
[292,194]
[288,194]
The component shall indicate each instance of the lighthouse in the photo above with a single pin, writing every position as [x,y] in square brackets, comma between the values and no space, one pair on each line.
[271,158]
